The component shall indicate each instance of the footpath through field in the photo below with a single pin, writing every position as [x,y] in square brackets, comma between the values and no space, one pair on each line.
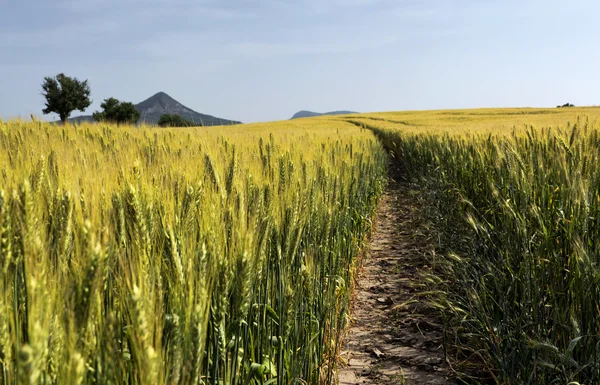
[393,338]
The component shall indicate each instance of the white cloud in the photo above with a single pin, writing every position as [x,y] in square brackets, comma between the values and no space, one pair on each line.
[262,49]
[173,44]
[211,8]
[105,21]
[82,5]
[73,33]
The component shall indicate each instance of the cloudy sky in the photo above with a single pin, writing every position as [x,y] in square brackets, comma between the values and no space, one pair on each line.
[258,60]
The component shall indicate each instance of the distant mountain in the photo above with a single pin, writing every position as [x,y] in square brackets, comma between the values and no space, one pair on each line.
[152,108]
[155,106]
[310,114]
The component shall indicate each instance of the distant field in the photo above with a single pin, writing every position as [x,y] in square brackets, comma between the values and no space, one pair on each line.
[477,120]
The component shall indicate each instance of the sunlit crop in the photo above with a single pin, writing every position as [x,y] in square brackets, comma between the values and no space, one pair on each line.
[217,255]
[521,288]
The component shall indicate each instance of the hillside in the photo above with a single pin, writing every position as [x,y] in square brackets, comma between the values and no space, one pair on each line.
[152,108]
[310,114]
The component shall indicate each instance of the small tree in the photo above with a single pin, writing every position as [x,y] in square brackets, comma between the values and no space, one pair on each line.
[109,107]
[64,95]
[118,112]
[167,120]
[566,105]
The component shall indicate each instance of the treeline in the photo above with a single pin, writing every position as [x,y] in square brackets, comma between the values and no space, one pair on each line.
[172,120]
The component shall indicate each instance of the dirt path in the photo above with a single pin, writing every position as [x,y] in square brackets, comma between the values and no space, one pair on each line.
[394,339]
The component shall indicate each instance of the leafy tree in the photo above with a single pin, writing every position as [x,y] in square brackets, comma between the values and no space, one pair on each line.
[168,120]
[110,109]
[118,112]
[64,95]
[128,113]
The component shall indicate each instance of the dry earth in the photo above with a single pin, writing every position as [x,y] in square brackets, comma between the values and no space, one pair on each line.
[394,338]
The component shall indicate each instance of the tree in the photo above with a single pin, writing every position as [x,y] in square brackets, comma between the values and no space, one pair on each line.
[64,95]
[110,107]
[168,120]
[118,112]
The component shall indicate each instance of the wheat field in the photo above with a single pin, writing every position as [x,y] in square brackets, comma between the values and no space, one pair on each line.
[518,192]
[180,256]
[226,255]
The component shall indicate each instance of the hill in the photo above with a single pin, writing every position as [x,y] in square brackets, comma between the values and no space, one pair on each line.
[310,114]
[155,106]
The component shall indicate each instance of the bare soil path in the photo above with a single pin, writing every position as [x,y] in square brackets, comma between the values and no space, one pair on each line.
[394,338]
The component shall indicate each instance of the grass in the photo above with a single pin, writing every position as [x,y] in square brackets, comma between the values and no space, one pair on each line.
[521,285]
[180,256]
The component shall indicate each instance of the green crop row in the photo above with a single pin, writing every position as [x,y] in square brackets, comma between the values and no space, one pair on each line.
[522,299]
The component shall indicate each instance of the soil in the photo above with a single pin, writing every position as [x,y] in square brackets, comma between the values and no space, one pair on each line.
[394,337]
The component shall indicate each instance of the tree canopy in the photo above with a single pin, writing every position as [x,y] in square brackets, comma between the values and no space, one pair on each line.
[64,95]
[118,112]
[168,120]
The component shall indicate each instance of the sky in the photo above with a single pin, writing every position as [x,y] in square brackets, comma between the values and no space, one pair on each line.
[263,60]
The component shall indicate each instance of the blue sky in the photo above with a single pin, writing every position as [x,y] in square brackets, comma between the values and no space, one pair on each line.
[259,60]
